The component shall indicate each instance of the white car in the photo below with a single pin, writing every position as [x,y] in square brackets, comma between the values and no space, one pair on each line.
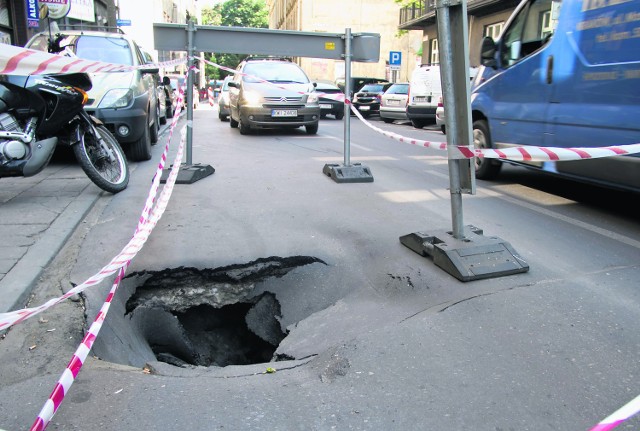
[440,115]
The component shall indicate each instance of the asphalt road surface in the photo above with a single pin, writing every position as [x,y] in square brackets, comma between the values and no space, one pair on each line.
[368,334]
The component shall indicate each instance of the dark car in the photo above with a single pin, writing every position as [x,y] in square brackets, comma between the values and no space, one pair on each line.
[330,106]
[357,82]
[126,102]
[367,100]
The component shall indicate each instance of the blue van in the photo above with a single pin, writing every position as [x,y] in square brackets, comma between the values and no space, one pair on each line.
[563,74]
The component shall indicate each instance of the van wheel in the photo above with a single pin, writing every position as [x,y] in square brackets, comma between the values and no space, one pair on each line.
[418,124]
[339,115]
[486,169]
[311,129]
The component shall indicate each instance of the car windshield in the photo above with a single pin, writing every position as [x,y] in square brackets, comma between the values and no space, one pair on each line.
[274,72]
[372,88]
[107,49]
[398,89]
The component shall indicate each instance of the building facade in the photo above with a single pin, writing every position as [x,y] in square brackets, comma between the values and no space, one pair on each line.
[485,18]
[336,16]
[21,19]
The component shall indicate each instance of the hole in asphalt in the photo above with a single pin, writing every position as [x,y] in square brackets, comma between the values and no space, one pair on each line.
[212,317]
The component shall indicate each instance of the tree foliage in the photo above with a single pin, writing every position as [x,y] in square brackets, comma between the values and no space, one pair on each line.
[233,13]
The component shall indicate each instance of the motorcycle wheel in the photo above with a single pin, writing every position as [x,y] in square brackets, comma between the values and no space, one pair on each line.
[103,160]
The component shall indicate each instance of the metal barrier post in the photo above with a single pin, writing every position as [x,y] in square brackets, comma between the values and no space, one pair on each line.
[464,251]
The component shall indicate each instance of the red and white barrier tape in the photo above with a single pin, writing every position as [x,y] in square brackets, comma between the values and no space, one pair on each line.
[22,61]
[130,250]
[147,221]
[520,153]
[619,416]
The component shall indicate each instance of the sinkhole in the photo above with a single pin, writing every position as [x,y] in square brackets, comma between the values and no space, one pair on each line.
[206,317]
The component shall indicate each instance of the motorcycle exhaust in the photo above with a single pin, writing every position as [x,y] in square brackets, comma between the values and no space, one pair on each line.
[41,153]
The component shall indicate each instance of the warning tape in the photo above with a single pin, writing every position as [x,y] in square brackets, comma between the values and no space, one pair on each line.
[519,153]
[210,95]
[619,416]
[151,213]
[141,235]
[24,61]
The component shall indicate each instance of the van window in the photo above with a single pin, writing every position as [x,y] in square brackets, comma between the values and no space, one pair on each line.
[529,31]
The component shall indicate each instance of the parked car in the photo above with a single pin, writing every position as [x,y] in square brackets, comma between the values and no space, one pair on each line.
[440,116]
[170,97]
[126,102]
[223,99]
[177,81]
[357,82]
[393,104]
[330,106]
[367,100]
[287,100]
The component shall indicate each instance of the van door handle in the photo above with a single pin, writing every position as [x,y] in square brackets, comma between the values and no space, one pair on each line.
[550,69]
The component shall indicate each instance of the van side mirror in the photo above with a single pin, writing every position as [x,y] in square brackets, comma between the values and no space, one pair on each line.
[233,84]
[488,53]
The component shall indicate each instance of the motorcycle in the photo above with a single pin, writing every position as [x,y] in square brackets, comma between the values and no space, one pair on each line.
[39,112]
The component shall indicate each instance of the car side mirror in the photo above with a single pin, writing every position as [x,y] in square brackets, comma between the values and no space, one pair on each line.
[150,70]
[488,53]
[233,84]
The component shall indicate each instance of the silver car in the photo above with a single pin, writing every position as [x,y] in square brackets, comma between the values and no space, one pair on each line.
[393,103]
[272,92]
[223,99]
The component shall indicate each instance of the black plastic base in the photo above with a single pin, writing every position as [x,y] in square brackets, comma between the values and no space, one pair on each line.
[188,174]
[355,173]
[473,257]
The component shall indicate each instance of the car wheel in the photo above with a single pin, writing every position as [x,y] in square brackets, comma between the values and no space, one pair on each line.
[365,114]
[140,150]
[387,120]
[245,129]
[340,116]
[418,124]
[444,129]
[233,123]
[222,117]
[162,116]
[486,169]
[153,130]
[311,129]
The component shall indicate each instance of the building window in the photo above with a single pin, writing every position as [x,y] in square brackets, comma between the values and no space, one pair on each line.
[435,54]
[493,31]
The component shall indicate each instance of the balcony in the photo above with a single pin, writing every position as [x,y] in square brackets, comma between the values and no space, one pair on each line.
[422,13]
[414,16]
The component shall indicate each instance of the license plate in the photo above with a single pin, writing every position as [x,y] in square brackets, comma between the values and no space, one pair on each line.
[394,103]
[364,108]
[284,113]
[422,99]
[325,106]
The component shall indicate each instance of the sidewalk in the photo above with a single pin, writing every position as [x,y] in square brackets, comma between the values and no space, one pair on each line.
[39,214]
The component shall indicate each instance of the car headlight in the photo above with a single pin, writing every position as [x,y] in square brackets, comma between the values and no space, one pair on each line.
[117,98]
[312,98]
[251,98]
